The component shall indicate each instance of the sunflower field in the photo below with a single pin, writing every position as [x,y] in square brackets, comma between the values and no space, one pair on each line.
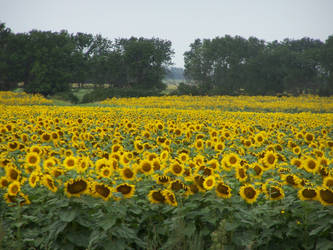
[167,173]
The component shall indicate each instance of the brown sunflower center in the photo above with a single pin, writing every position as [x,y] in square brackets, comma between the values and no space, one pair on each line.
[77,187]
[223,189]
[157,196]
[102,190]
[327,196]
[309,193]
[124,189]
[249,192]
[275,192]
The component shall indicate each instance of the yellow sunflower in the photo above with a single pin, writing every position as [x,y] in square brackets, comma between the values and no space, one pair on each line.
[14,188]
[4,182]
[70,162]
[146,167]
[249,193]
[307,193]
[126,189]
[270,159]
[325,196]
[170,197]
[34,178]
[241,174]
[177,168]
[273,192]
[156,196]
[48,182]
[12,173]
[102,191]
[310,164]
[209,182]
[76,187]
[222,190]
[33,159]
[127,173]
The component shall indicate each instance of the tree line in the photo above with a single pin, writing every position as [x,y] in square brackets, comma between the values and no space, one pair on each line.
[48,61]
[234,65]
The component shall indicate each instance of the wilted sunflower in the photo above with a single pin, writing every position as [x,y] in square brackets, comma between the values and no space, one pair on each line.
[307,193]
[249,193]
[33,159]
[102,191]
[127,190]
[156,196]
[170,197]
[209,182]
[162,179]
[325,196]
[76,187]
[222,190]
[14,188]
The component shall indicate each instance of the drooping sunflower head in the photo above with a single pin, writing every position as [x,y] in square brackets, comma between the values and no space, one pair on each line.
[241,174]
[170,197]
[274,192]
[102,191]
[48,182]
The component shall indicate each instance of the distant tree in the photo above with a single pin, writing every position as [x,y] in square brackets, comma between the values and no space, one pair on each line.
[175,73]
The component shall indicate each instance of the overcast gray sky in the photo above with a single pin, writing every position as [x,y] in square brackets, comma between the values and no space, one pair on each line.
[179,21]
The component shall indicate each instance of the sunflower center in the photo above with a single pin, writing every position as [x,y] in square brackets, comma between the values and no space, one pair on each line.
[14,189]
[249,192]
[13,175]
[275,193]
[77,187]
[102,190]
[124,189]
[32,159]
[309,193]
[146,167]
[290,180]
[241,173]
[311,164]
[327,196]
[271,159]
[222,189]
[232,160]
[128,173]
[209,182]
[157,196]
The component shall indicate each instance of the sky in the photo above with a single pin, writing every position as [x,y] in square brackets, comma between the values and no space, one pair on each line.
[180,21]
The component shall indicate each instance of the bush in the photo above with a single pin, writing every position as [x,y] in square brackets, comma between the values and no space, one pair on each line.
[67,96]
[100,94]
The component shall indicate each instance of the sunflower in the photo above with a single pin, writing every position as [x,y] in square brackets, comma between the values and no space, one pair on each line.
[209,182]
[232,159]
[214,164]
[76,187]
[127,190]
[307,193]
[48,182]
[297,150]
[219,146]
[222,190]
[310,165]
[105,172]
[249,193]
[241,174]
[309,137]
[176,185]
[177,168]
[328,182]
[164,155]
[199,144]
[258,170]
[224,164]
[259,138]
[183,157]
[291,179]
[297,162]
[33,159]
[199,180]
[157,164]
[116,148]
[156,196]
[270,159]
[102,191]
[127,174]
[14,188]
[325,196]
[138,146]
[49,163]
[4,182]
[83,164]
[170,197]
[33,179]
[70,162]
[146,167]
[162,179]
[12,146]
[274,192]
[12,173]
[46,137]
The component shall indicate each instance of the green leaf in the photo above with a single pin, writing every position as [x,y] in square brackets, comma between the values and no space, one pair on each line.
[318,230]
[189,229]
[67,215]
[108,223]
[324,244]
